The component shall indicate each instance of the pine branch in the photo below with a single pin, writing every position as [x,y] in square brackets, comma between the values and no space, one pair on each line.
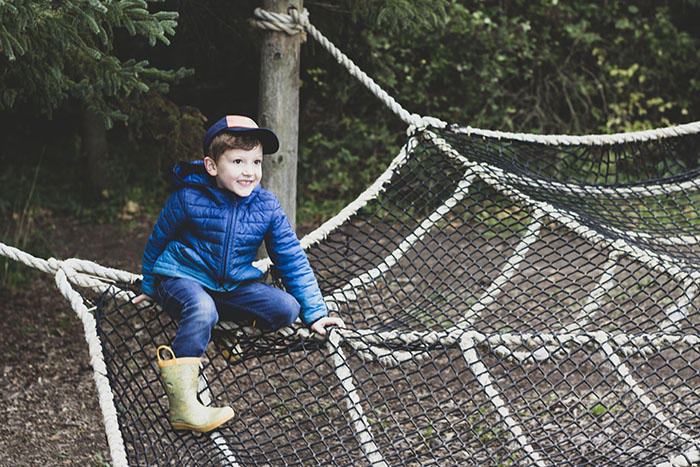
[56,50]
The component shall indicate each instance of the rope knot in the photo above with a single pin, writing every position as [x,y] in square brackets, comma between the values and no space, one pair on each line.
[291,24]
[54,264]
[300,18]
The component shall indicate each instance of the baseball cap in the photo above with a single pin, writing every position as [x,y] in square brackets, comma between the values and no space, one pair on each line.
[242,124]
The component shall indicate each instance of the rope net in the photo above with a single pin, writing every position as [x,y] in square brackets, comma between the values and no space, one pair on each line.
[508,302]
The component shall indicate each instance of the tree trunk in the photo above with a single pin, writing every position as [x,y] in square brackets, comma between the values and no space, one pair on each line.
[96,153]
[279,107]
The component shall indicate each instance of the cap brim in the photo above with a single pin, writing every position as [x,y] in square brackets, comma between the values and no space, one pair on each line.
[268,139]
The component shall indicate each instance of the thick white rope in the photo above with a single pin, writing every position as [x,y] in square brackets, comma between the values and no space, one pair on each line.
[643,344]
[589,140]
[25,258]
[65,272]
[88,267]
[104,391]
[352,401]
[380,346]
[509,269]
[468,347]
[651,407]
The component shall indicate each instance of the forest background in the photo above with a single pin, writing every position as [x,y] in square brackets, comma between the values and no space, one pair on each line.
[98,99]
[139,82]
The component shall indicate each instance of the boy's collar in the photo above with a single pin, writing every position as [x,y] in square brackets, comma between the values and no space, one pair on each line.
[234,196]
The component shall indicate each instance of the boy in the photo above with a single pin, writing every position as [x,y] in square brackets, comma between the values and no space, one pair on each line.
[198,261]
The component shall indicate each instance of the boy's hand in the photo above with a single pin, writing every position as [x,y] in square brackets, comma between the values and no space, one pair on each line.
[140,298]
[319,326]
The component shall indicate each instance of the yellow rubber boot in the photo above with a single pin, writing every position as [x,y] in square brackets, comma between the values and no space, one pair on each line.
[180,377]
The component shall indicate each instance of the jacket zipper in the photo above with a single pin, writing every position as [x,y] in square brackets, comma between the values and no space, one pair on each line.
[229,235]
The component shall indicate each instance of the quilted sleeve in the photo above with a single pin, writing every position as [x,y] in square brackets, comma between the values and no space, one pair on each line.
[171,219]
[297,276]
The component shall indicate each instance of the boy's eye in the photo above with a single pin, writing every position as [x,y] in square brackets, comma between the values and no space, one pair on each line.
[237,161]
[258,162]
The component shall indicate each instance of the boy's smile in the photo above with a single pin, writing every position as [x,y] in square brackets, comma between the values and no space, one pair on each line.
[237,170]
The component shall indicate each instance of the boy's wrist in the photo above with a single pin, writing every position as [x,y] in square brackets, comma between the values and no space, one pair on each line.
[310,318]
[311,323]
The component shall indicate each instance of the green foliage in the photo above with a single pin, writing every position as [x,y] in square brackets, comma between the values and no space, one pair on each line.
[158,134]
[574,67]
[60,59]
[334,174]
[539,66]
[54,51]
[400,15]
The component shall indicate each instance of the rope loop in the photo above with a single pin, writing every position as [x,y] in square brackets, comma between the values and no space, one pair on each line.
[291,24]
[300,18]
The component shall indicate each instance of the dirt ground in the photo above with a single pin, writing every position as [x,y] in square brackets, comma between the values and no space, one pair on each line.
[48,401]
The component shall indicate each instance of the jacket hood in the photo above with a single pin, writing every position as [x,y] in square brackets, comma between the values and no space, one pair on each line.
[194,175]
[191,174]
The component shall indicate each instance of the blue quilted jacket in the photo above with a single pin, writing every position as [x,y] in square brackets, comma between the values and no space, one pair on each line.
[212,236]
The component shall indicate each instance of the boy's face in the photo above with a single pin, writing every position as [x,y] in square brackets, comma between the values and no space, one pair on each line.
[237,170]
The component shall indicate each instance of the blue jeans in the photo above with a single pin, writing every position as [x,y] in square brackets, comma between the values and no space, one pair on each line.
[197,309]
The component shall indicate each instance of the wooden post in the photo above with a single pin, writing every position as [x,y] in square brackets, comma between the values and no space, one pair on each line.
[279,107]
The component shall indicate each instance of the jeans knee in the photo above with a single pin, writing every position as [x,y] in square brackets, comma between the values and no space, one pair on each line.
[288,312]
[206,314]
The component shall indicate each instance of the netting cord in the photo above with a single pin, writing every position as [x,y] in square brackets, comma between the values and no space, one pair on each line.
[495,177]
[375,350]
[618,249]
[690,456]
[295,20]
[86,273]
[65,272]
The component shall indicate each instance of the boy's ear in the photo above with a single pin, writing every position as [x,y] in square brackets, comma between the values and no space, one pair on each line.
[210,166]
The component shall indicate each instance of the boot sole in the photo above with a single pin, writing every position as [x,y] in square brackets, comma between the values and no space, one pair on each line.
[204,428]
